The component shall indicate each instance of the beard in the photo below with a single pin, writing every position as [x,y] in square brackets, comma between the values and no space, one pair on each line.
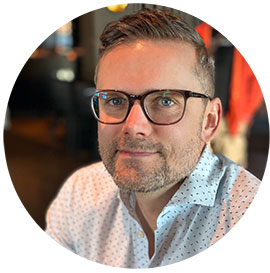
[168,168]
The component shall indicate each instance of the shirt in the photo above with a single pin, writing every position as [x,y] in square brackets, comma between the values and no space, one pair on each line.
[96,220]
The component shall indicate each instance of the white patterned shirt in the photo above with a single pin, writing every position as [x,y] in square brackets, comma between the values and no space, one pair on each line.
[96,220]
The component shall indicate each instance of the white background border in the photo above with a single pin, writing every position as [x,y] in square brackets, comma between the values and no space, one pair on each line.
[24,246]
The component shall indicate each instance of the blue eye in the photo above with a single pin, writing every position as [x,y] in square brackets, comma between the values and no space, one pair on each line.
[116,101]
[165,102]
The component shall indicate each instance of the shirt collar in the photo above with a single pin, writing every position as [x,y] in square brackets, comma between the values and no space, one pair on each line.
[200,187]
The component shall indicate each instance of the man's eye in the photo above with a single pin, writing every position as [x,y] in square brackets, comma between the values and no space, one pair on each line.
[165,102]
[115,101]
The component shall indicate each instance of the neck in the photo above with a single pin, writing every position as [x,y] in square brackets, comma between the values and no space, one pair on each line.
[149,205]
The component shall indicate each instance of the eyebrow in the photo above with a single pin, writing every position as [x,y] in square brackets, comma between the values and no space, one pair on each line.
[165,90]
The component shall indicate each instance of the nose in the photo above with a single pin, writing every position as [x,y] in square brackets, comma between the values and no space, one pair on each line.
[137,124]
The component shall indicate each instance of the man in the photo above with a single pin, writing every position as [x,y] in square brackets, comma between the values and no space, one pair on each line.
[158,196]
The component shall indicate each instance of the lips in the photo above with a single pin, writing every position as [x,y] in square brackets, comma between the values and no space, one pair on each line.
[131,153]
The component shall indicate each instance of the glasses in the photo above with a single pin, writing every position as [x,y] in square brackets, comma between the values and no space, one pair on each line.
[161,107]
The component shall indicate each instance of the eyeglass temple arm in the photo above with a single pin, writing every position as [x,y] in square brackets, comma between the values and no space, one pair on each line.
[198,95]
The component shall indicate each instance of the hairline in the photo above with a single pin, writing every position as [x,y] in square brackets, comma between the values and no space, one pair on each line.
[197,69]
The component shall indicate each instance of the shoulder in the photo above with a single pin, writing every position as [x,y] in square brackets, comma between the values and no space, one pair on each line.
[80,204]
[91,184]
[92,172]
[236,175]
[89,176]
[237,186]
[244,187]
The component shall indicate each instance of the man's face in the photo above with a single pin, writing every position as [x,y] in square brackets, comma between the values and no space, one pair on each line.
[140,155]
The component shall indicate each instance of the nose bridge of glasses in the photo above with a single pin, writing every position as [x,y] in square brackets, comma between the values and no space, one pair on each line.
[132,100]
[133,106]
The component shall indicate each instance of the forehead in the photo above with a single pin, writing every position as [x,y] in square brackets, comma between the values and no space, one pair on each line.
[148,65]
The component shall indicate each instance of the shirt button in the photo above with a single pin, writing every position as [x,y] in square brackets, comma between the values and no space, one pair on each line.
[140,234]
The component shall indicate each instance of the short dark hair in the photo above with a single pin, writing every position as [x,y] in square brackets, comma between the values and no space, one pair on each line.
[160,25]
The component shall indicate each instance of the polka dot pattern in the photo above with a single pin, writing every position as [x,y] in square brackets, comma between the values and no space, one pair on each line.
[95,220]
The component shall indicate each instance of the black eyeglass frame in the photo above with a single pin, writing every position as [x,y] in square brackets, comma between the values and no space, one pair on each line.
[131,98]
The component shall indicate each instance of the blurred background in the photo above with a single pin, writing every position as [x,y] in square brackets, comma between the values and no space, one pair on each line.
[50,130]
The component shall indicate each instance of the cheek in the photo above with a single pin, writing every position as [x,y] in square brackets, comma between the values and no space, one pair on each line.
[178,137]
[172,139]
[107,133]
[172,135]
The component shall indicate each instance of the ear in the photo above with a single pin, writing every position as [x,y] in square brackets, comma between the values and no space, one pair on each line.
[212,116]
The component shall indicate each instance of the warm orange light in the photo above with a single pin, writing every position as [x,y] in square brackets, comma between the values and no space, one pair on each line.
[72,55]
[117,8]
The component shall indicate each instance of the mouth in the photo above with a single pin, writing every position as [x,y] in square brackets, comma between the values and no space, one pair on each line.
[130,153]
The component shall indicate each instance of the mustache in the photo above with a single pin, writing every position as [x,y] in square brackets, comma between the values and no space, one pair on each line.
[143,145]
